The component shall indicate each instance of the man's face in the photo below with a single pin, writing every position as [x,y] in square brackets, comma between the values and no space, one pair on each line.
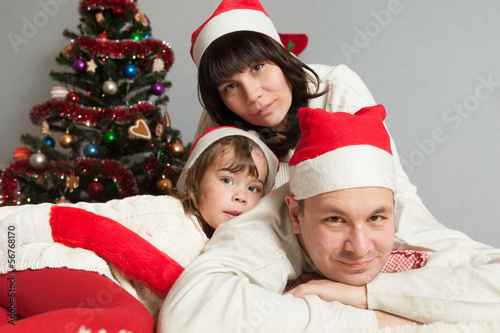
[348,234]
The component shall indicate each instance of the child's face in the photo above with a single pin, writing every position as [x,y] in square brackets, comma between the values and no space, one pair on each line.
[348,234]
[225,194]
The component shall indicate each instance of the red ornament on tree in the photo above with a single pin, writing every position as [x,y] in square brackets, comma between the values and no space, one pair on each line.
[117,12]
[95,189]
[21,153]
[102,37]
[72,97]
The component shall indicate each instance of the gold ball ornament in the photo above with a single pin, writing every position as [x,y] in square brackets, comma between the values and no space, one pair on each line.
[66,50]
[163,186]
[176,149]
[62,200]
[67,140]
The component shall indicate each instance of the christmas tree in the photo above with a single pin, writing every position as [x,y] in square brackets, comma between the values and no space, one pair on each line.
[110,108]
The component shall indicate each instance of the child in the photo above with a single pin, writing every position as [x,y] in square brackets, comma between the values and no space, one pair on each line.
[49,276]
[237,155]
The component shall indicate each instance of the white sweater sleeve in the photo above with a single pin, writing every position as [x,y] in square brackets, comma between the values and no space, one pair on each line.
[459,283]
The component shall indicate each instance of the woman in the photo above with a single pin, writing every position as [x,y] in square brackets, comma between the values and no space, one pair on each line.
[247,79]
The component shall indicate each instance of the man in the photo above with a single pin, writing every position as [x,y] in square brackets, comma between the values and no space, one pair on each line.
[339,221]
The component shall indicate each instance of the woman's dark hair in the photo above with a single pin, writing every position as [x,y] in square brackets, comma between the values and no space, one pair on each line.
[235,52]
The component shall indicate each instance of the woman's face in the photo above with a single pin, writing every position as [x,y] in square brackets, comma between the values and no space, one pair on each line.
[261,95]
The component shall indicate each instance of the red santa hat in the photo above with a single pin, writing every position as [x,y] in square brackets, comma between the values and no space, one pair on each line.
[340,150]
[230,16]
[214,134]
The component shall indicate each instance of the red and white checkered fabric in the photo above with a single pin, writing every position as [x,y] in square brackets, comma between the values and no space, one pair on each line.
[399,261]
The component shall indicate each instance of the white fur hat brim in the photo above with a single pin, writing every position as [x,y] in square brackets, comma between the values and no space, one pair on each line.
[228,17]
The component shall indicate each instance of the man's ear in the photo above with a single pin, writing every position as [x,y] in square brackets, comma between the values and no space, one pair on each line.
[293,211]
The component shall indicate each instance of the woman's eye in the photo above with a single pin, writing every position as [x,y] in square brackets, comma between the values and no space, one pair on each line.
[227,181]
[258,68]
[230,87]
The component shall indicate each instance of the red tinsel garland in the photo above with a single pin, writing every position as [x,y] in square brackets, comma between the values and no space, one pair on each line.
[119,49]
[103,4]
[110,169]
[151,164]
[52,109]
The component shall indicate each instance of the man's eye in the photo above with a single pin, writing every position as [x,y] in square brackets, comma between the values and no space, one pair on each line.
[335,219]
[375,218]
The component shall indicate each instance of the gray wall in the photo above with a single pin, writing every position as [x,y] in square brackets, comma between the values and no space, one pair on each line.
[435,65]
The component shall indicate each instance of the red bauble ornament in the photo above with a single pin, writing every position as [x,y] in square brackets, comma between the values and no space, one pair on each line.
[95,189]
[117,11]
[102,37]
[72,97]
[21,153]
